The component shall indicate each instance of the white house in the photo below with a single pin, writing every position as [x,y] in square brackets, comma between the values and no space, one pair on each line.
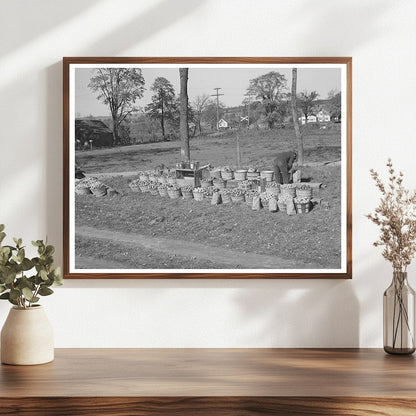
[222,124]
[323,116]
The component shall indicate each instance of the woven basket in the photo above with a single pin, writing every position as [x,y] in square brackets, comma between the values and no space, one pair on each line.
[272,191]
[268,174]
[282,206]
[163,192]
[206,183]
[215,174]
[252,175]
[83,190]
[303,207]
[288,191]
[187,194]
[237,199]
[174,193]
[226,198]
[144,188]
[245,186]
[249,200]
[198,196]
[240,175]
[227,174]
[99,190]
[304,193]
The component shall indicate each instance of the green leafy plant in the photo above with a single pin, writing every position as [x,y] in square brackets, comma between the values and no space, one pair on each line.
[16,285]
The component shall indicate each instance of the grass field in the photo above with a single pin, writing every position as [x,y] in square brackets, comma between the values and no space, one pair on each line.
[311,240]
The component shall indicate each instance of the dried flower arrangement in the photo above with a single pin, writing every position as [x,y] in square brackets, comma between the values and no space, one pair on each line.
[396,217]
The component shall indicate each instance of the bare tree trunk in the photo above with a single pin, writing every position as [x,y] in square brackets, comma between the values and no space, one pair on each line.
[115,130]
[183,126]
[299,137]
[162,120]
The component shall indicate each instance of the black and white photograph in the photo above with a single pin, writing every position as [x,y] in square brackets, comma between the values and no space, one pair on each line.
[212,169]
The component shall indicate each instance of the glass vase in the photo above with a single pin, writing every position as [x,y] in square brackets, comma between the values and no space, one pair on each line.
[399,316]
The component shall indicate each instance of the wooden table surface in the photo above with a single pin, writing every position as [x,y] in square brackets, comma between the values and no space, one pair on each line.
[212,382]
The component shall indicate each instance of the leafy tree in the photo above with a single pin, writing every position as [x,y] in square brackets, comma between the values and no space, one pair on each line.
[163,105]
[334,103]
[119,88]
[307,102]
[269,89]
[183,109]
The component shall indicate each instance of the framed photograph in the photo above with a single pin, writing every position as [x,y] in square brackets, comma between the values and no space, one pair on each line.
[207,168]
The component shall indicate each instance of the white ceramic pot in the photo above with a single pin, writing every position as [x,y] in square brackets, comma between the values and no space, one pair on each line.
[27,337]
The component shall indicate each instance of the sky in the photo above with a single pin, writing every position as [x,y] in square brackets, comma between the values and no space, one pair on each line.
[232,81]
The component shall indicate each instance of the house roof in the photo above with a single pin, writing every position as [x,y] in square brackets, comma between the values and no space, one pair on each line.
[96,126]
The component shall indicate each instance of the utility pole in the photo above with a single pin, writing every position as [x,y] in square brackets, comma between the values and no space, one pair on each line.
[218,105]
[248,108]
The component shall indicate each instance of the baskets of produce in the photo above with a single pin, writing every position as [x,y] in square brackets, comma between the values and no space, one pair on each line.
[205,183]
[237,196]
[283,200]
[173,191]
[162,179]
[198,194]
[250,195]
[187,192]
[220,183]
[265,198]
[302,205]
[143,176]
[208,191]
[245,185]
[288,189]
[83,189]
[252,173]
[227,173]
[226,196]
[304,191]
[272,188]
[99,190]
[267,174]
[144,186]
[134,185]
[163,189]
[240,175]
[215,173]
[153,188]
[171,180]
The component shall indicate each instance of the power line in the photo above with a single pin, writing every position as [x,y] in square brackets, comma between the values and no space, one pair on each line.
[218,104]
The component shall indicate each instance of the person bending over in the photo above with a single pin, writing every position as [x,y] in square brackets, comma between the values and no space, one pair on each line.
[283,165]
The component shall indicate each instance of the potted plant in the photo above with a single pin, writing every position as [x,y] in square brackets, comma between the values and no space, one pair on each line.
[27,336]
[396,217]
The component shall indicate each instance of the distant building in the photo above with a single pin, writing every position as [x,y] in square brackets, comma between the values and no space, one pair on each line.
[222,124]
[323,116]
[87,130]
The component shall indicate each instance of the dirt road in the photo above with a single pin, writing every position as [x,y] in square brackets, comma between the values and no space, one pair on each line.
[187,249]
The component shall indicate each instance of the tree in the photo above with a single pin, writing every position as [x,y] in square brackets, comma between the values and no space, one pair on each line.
[119,88]
[298,134]
[334,103]
[183,109]
[209,114]
[163,105]
[269,88]
[199,105]
[307,102]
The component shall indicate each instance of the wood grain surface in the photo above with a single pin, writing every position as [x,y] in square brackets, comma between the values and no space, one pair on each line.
[212,381]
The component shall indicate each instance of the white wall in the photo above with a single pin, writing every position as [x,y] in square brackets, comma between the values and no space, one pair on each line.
[380,35]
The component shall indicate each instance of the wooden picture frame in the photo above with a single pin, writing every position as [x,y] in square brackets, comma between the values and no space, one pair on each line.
[121,235]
